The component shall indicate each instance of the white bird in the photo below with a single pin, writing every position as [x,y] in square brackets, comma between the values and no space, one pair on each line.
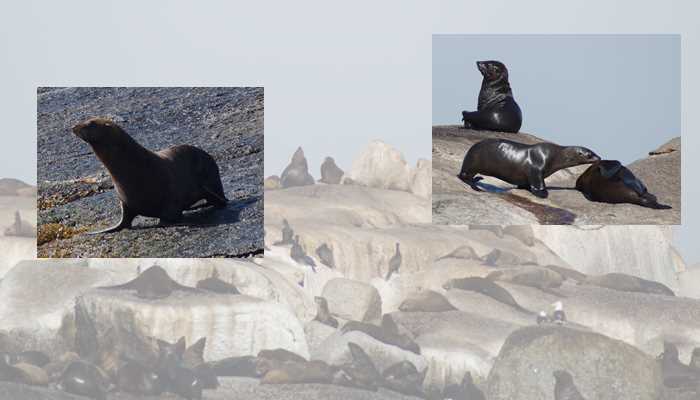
[559,317]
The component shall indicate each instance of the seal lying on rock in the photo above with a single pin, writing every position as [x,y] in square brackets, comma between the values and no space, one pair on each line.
[675,373]
[216,285]
[486,287]
[628,283]
[387,333]
[564,387]
[161,184]
[153,283]
[497,109]
[298,254]
[403,377]
[426,301]
[536,277]
[608,181]
[360,372]
[523,165]
[84,379]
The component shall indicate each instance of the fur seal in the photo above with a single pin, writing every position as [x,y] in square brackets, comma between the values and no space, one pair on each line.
[403,377]
[536,277]
[394,263]
[497,109]
[294,372]
[153,283]
[360,372]
[628,283]
[86,344]
[567,273]
[608,181]
[299,255]
[287,234]
[245,366]
[465,390]
[297,172]
[84,379]
[695,359]
[330,173]
[564,387]
[426,301]
[486,287]
[675,373]
[462,253]
[323,314]
[159,184]
[134,377]
[216,285]
[387,333]
[325,255]
[523,165]
[10,373]
[33,357]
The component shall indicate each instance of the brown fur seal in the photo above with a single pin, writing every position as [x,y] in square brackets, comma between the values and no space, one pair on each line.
[161,184]
[403,377]
[360,372]
[323,314]
[497,109]
[387,333]
[293,372]
[297,172]
[245,366]
[486,287]
[287,234]
[465,390]
[153,283]
[330,173]
[216,285]
[463,253]
[536,277]
[282,355]
[325,255]
[298,254]
[33,357]
[134,377]
[84,379]
[523,165]
[628,283]
[608,181]
[426,301]
[10,373]
[564,387]
[567,273]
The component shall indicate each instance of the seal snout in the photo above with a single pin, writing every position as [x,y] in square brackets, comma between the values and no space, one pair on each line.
[482,66]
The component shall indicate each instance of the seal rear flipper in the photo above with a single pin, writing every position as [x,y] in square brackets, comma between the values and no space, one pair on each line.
[649,200]
[127,218]
[215,197]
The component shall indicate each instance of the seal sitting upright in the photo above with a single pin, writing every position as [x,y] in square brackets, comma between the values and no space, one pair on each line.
[497,109]
[154,184]
[608,181]
[521,164]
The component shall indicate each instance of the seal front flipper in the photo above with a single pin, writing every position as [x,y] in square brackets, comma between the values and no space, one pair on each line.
[215,197]
[127,218]
[536,181]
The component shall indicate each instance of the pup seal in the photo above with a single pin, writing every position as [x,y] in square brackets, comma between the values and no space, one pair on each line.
[159,184]
[153,283]
[486,287]
[564,387]
[523,165]
[497,109]
[608,181]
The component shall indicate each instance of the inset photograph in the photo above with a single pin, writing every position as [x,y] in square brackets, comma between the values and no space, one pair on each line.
[556,129]
[150,171]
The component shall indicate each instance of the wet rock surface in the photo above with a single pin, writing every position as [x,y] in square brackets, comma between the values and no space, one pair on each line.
[503,204]
[76,192]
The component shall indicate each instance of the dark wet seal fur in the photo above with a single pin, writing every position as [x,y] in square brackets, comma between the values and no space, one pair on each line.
[159,184]
[486,287]
[608,181]
[84,379]
[497,109]
[523,165]
[629,283]
[153,283]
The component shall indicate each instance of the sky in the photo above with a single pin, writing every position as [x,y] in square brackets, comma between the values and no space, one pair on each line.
[618,95]
[332,84]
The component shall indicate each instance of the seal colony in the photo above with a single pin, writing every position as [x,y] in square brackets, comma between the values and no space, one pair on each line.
[159,184]
[527,165]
